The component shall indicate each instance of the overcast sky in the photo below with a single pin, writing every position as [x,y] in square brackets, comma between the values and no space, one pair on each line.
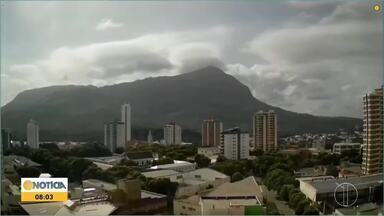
[316,57]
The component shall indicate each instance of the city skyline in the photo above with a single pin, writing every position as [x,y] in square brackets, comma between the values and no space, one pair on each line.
[285,74]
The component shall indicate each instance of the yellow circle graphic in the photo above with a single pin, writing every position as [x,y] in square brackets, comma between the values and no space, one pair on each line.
[27,185]
[376,7]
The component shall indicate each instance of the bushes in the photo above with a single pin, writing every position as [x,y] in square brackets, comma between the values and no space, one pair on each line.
[237,177]
[275,179]
[202,161]
[26,171]
[285,191]
[229,167]
[297,200]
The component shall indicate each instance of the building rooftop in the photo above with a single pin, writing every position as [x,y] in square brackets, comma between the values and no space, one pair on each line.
[205,174]
[112,160]
[347,144]
[149,194]
[172,165]
[364,209]
[139,155]
[247,187]
[234,130]
[195,177]
[329,185]
[100,184]
[228,195]
[16,160]
[159,173]
[102,166]
[59,208]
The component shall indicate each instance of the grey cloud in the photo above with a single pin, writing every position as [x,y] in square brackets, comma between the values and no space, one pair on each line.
[293,48]
[196,63]
[343,48]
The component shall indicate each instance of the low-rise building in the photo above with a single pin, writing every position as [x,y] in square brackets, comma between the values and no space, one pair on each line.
[365,209]
[141,158]
[339,148]
[86,202]
[310,172]
[238,198]
[179,166]
[347,169]
[160,174]
[322,190]
[191,182]
[187,206]
[198,180]
[12,162]
[105,163]
[138,201]
[208,151]
[10,197]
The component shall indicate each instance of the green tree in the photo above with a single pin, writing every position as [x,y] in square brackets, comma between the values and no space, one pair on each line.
[202,161]
[77,166]
[162,186]
[275,179]
[237,176]
[162,161]
[332,171]
[126,162]
[285,191]
[309,210]
[27,171]
[119,172]
[220,158]
[299,208]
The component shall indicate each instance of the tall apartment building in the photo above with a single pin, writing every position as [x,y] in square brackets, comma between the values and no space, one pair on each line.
[114,135]
[265,131]
[149,137]
[33,134]
[126,119]
[6,138]
[172,134]
[210,133]
[373,132]
[235,144]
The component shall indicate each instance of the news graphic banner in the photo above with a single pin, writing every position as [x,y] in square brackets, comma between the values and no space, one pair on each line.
[44,189]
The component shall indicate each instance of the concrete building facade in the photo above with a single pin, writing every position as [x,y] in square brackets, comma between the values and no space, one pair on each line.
[235,144]
[339,148]
[126,119]
[114,135]
[33,134]
[172,134]
[210,133]
[373,132]
[265,131]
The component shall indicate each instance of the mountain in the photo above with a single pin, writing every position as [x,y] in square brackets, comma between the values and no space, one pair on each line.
[76,111]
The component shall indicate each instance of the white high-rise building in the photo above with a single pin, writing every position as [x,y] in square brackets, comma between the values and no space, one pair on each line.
[235,144]
[172,134]
[33,134]
[149,137]
[126,119]
[114,135]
